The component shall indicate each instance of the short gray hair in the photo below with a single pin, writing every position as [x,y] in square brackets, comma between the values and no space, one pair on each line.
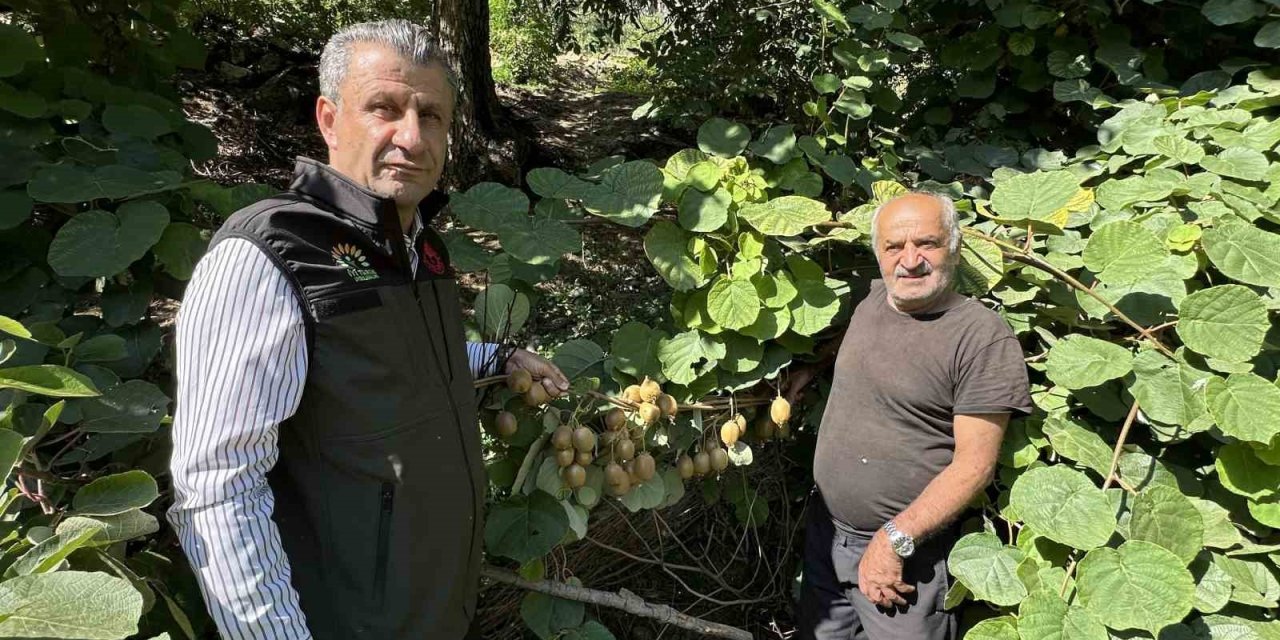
[950,218]
[411,41]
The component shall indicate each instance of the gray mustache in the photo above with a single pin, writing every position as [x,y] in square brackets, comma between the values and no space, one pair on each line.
[922,269]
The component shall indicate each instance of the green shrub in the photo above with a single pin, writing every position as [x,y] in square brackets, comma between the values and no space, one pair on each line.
[522,40]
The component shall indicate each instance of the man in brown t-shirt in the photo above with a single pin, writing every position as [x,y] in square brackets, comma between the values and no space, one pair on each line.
[924,384]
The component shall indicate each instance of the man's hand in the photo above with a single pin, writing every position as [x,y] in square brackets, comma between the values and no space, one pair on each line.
[797,381]
[551,377]
[880,573]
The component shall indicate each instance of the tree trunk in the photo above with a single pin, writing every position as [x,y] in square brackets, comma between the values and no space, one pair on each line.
[484,143]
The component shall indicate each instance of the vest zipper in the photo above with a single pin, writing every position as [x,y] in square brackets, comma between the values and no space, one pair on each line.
[387,496]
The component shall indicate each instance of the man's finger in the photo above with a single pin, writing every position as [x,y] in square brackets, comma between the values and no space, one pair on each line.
[893,597]
[902,587]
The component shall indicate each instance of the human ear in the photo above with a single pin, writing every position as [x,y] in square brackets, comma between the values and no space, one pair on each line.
[326,116]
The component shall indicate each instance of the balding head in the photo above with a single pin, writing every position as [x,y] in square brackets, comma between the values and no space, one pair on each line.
[916,237]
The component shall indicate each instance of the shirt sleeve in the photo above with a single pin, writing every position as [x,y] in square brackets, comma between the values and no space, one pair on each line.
[241,363]
[483,358]
[994,379]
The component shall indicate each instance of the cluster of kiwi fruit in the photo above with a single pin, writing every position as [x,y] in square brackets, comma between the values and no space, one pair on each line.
[645,404]
[619,447]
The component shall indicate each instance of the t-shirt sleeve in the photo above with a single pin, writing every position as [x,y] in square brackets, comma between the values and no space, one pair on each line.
[993,379]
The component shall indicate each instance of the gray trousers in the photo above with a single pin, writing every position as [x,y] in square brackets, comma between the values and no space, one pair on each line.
[832,608]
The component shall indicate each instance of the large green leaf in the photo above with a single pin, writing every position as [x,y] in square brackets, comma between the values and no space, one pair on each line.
[785,216]
[635,350]
[704,212]
[1169,392]
[723,138]
[1117,194]
[525,527]
[1074,442]
[135,120]
[116,494]
[981,267]
[10,450]
[1078,361]
[49,553]
[1001,628]
[537,240]
[1237,162]
[1036,197]
[136,406]
[1137,586]
[1045,616]
[501,311]
[15,208]
[1224,12]
[488,205]
[1213,584]
[576,357]
[1064,505]
[1219,532]
[667,247]
[547,616]
[1245,406]
[69,184]
[1227,322]
[685,356]
[733,303]
[17,48]
[129,525]
[179,248]
[1122,252]
[47,380]
[628,194]
[550,182]
[1162,515]
[988,568]
[1241,471]
[98,244]
[777,144]
[69,604]
[1244,252]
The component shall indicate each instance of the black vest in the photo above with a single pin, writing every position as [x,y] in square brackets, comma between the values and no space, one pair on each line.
[380,486]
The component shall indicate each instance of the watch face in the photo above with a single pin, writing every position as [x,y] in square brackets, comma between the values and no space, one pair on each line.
[907,547]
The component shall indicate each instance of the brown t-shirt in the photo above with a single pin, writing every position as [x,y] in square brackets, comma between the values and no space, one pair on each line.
[899,382]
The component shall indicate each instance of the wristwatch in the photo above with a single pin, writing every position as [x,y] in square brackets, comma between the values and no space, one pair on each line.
[903,545]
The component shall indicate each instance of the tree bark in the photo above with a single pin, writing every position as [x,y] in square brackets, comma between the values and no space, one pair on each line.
[484,144]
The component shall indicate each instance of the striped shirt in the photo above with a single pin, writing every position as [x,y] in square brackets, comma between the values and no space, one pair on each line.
[241,368]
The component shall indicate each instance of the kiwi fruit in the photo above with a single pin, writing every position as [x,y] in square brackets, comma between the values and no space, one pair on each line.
[780,410]
[649,390]
[644,467]
[519,381]
[609,437]
[632,394]
[574,475]
[615,419]
[624,450]
[562,437]
[584,439]
[616,478]
[506,424]
[668,405]
[684,466]
[729,433]
[741,421]
[536,396]
[566,457]
[649,413]
[719,459]
[765,428]
[584,458]
[701,463]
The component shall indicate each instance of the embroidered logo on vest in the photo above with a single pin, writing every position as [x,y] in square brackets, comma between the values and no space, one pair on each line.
[353,259]
[432,260]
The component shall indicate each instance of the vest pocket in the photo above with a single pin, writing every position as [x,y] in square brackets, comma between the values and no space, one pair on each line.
[387,499]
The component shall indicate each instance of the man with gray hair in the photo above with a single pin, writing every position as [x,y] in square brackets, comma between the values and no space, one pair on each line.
[923,387]
[326,466]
